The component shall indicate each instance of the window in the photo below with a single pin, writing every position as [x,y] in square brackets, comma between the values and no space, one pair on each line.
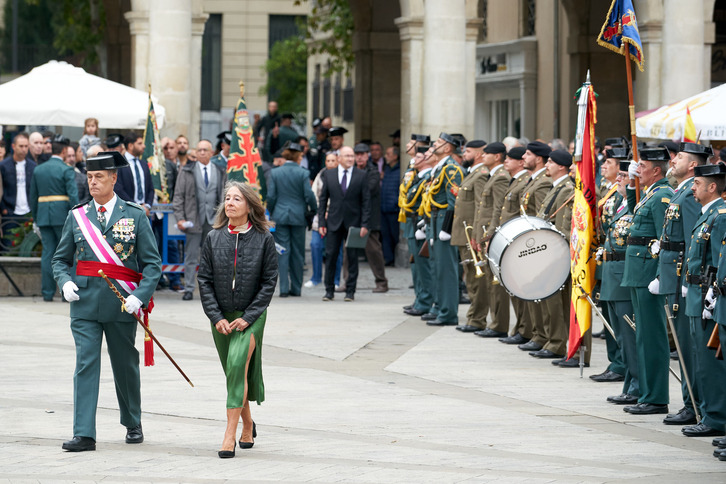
[348,101]
[326,97]
[530,12]
[316,92]
[212,64]
[336,96]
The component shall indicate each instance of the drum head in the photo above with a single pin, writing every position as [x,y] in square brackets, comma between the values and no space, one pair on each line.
[535,265]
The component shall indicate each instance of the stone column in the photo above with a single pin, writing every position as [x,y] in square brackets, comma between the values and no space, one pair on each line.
[682,50]
[195,63]
[411,30]
[139,29]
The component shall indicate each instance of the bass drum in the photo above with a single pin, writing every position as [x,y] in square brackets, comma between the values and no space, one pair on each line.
[530,257]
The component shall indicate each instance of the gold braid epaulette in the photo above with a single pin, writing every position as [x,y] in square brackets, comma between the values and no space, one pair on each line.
[435,187]
[402,193]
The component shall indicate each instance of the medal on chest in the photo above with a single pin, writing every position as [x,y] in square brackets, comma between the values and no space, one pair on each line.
[124,230]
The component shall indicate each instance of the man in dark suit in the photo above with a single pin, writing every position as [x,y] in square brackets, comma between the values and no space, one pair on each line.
[16,172]
[347,189]
[135,184]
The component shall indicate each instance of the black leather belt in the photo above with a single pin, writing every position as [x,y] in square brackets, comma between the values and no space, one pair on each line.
[694,279]
[613,256]
[644,241]
[721,290]
[674,246]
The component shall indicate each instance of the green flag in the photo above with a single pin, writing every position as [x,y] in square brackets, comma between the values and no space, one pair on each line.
[244,162]
[154,155]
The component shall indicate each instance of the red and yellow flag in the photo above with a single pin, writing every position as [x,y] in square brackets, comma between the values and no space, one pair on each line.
[689,130]
[583,240]
[244,163]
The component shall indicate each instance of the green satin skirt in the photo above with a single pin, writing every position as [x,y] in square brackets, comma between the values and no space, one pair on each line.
[233,351]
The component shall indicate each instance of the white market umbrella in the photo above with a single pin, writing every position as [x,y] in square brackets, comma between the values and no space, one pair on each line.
[668,122]
[59,94]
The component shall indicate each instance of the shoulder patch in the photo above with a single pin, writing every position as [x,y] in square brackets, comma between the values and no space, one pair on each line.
[722,210]
[665,200]
[135,205]
[80,205]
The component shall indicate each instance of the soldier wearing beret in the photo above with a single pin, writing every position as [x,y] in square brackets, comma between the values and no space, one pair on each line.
[111,234]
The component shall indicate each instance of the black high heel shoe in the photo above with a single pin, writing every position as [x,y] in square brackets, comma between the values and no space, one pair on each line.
[226,454]
[248,445]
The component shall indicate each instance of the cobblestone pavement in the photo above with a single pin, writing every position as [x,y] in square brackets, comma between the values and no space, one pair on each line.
[356,392]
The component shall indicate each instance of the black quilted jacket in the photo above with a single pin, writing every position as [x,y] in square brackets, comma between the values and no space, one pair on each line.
[256,275]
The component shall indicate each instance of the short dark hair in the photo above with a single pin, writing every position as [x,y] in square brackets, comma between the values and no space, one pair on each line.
[699,159]
[131,138]
[57,148]
[22,134]
[720,182]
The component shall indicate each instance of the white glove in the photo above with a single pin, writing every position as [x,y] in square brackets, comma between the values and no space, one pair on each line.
[684,291]
[655,248]
[36,229]
[706,314]
[421,223]
[654,286]
[132,304]
[69,291]
[599,253]
[431,242]
[420,235]
[710,301]
[632,170]
[444,236]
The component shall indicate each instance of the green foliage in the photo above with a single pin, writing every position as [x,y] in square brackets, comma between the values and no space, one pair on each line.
[287,74]
[330,31]
[79,27]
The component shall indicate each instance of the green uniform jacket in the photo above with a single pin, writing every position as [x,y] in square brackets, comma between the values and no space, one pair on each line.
[52,178]
[490,204]
[470,193]
[704,251]
[680,217]
[556,207]
[640,266]
[286,134]
[219,161]
[97,302]
[615,242]
[448,178]
[535,191]
[510,205]
[606,209]
[289,194]
[719,313]
[414,194]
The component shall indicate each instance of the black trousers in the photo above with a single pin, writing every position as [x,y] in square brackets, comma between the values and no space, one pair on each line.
[333,241]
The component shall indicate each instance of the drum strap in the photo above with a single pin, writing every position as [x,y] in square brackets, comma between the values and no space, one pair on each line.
[554,197]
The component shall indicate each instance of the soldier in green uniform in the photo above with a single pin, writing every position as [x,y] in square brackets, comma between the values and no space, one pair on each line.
[703,258]
[110,234]
[612,293]
[53,192]
[514,164]
[671,250]
[651,337]
[446,178]
[556,208]
[532,197]
[223,145]
[470,192]
[485,224]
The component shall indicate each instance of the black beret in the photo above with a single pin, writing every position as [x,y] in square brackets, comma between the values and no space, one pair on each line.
[106,160]
[516,153]
[539,149]
[361,148]
[450,139]
[655,154]
[696,149]
[114,140]
[476,143]
[617,153]
[423,138]
[337,131]
[561,157]
[495,147]
[624,165]
[719,169]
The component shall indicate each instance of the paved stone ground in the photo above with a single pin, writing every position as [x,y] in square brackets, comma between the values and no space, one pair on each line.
[356,392]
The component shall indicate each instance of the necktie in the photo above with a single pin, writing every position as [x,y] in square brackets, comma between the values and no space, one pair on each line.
[102,217]
[511,180]
[206,177]
[139,186]
[344,182]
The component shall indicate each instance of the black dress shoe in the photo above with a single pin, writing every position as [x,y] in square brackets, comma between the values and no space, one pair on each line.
[429,317]
[414,312]
[674,355]
[406,308]
[188,296]
[490,333]
[79,444]
[623,399]
[597,335]
[249,445]
[468,328]
[545,354]
[349,297]
[722,457]
[516,339]
[646,409]
[438,322]
[134,435]
[700,430]
[558,361]
[328,296]
[607,375]
[530,346]
[572,363]
[685,416]
[719,442]
[282,294]
[463,299]
[717,453]
[294,294]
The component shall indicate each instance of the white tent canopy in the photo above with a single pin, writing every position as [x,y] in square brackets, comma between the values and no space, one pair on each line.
[667,122]
[59,94]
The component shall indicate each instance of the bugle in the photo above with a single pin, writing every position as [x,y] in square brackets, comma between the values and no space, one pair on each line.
[478,272]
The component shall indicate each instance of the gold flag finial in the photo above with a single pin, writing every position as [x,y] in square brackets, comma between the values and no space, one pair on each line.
[241,89]
[149,88]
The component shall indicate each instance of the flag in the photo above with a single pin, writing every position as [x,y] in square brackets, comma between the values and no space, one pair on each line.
[154,154]
[621,28]
[689,130]
[583,241]
[244,162]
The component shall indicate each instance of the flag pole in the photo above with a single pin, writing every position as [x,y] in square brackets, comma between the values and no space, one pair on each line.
[631,109]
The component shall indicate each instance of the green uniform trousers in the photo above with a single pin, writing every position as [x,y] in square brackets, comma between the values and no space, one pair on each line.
[50,236]
[290,264]
[710,375]
[684,334]
[611,344]
[625,337]
[120,338]
[421,273]
[651,340]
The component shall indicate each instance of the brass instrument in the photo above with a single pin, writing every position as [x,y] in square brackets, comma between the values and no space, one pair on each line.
[495,281]
[478,272]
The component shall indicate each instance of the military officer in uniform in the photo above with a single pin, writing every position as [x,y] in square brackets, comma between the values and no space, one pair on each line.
[671,250]
[704,253]
[556,208]
[651,337]
[446,178]
[485,224]
[223,145]
[110,234]
[514,164]
[53,192]
[533,195]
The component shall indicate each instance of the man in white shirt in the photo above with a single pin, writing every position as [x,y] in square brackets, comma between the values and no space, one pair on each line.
[16,172]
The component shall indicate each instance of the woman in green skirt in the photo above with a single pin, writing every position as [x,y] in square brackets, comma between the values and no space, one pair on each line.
[237,277]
